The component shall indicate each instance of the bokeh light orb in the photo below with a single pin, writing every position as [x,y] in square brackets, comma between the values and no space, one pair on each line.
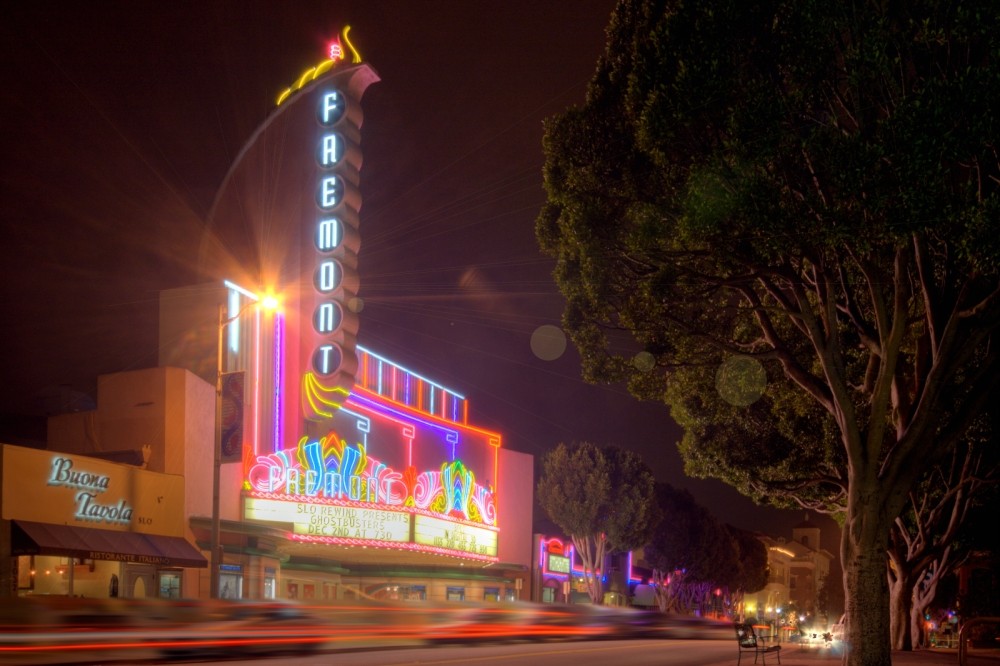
[644,361]
[548,342]
[741,380]
[355,304]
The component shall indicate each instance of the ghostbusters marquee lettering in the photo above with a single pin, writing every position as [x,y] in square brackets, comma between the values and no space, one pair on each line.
[333,521]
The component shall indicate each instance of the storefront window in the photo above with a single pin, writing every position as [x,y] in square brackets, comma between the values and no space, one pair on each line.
[270,587]
[48,575]
[548,595]
[491,594]
[414,593]
[25,574]
[170,585]
[509,594]
[456,594]
[230,585]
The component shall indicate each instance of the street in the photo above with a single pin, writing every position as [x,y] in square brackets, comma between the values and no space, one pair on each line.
[620,653]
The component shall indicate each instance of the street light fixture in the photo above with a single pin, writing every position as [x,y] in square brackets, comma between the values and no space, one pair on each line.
[268,303]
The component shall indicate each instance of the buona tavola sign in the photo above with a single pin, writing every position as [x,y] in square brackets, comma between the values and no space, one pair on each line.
[63,489]
[90,488]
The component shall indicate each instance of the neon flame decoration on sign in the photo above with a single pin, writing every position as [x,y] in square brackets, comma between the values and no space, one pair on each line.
[334,54]
[331,471]
[336,50]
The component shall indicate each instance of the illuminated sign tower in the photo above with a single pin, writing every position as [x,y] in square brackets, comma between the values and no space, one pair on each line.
[288,214]
[349,448]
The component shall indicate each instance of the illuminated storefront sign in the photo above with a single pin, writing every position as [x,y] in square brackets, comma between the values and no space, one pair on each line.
[333,521]
[556,557]
[89,485]
[63,489]
[328,468]
[558,564]
[439,533]
[337,493]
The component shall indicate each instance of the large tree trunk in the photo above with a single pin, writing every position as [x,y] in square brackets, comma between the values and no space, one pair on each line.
[918,637]
[592,557]
[900,612]
[863,545]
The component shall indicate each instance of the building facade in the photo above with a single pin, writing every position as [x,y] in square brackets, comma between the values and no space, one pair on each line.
[313,467]
[84,526]
[798,568]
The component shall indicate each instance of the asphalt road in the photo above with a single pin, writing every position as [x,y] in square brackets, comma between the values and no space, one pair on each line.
[661,652]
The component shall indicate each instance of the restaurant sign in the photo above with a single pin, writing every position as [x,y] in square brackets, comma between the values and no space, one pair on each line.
[64,489]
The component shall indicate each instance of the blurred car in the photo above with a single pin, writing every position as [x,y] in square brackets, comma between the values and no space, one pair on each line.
[511,623]
[247,629]
[635,623]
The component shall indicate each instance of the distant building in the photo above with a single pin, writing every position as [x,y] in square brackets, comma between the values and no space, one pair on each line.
[558,575]
[798,569]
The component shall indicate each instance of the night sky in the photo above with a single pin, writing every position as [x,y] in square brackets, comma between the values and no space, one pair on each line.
[120,120]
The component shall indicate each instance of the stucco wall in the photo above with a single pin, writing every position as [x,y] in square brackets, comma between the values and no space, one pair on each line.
[516,497]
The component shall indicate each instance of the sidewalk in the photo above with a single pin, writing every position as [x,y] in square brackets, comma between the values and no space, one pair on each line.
[794,655]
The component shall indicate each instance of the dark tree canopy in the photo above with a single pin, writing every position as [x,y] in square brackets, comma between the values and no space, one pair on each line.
[690,539]
[779,218]
[751,558]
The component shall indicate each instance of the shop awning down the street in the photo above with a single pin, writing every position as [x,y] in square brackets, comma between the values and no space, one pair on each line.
[30,538]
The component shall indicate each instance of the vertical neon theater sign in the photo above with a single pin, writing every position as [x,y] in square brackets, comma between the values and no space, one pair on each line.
[331,361]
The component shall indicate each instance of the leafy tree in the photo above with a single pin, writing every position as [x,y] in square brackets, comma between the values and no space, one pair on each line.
[695,557]
[602,499]
[931,538]
[823,600]
[752,559]
[689,539]
[777,218]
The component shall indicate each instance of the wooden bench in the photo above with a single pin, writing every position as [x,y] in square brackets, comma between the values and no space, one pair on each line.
[749,641]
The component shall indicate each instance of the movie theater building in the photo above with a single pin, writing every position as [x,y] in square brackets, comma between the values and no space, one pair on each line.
[402,499]
[358,476]
[399,498]
[342,473]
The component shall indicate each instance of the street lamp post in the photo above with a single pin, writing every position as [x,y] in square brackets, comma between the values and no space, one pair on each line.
[216,539]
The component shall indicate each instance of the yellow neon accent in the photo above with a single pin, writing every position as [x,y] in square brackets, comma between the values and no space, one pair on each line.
[354,52]
[305,78]
[313,72]
[320,397]
[323,66]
